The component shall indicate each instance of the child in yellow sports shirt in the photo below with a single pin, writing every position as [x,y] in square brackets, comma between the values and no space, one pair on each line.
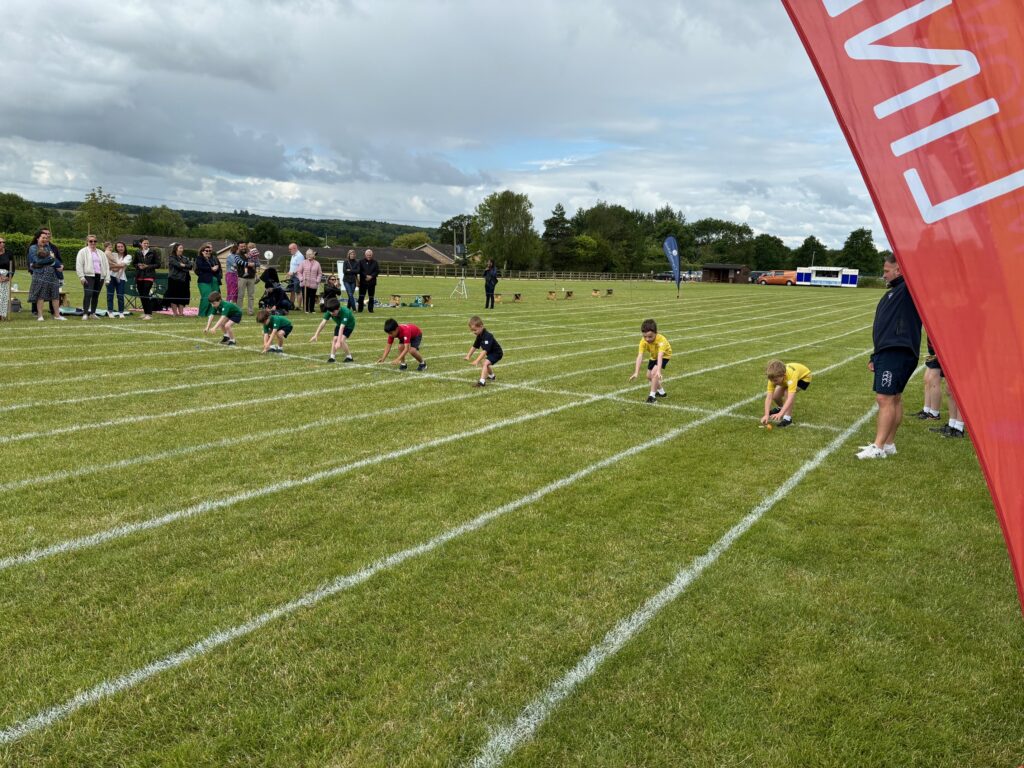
[660,352]
[784,379]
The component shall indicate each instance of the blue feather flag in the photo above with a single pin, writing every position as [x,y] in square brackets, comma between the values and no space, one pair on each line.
[672,253]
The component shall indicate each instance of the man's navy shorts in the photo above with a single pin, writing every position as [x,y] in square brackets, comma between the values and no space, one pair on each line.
[893,369]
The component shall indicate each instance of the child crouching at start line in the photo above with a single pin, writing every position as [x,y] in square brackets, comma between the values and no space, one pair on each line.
[784,379]
[276,328]
[409,339]
[660,351]
[227,314]
[489,349]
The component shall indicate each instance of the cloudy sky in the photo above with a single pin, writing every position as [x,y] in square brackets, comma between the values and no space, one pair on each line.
[412,112]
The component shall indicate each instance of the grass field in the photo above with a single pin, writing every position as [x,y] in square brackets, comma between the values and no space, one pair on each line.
[213,557]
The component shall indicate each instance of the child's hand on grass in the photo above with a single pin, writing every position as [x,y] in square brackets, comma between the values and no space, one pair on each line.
[632,377]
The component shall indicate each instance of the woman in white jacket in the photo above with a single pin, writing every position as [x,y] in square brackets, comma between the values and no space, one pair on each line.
[93,272]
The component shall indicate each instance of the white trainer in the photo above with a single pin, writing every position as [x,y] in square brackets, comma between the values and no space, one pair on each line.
[890,449]
[871,451]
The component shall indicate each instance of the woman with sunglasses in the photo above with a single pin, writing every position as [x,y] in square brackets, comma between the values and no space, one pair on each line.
[207,278]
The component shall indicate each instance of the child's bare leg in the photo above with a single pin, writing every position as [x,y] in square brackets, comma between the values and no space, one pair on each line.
[485,369]
[416,354]
[228,330]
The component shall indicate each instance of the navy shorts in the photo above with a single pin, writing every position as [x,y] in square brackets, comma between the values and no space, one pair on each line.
[416,341]
[932,361]
[235,317]
[494,357]
[801,384]
[893,369]
[652,363]
[346,331]
[286,331]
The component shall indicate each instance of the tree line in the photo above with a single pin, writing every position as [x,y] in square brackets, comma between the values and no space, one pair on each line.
[612,238]
[604,238]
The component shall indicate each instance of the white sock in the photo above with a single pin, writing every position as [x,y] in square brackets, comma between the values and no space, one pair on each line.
[661,390]
[483,382]
[956,425]
[931,411]
[787,418]
[952,423]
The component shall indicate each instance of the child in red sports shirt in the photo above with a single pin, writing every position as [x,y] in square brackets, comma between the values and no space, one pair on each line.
[409,338]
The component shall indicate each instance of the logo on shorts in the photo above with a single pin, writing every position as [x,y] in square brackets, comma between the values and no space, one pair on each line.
[886,378]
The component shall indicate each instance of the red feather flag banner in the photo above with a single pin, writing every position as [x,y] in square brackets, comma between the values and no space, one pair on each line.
[929,95]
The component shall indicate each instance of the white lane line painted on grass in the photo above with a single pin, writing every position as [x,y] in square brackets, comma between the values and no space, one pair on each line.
[109,688]
[161,390]
[508,738]
[121,531]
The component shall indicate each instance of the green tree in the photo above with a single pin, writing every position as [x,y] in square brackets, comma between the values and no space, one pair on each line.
[812,252]
[769,252]
[411,240]
[161,221]
[229,231]
[450,231]
[859,252]
[301,237]
[266,231]
[724,241]
[504,230]
[620,229]
[560,251]
[100,215]
[18,214]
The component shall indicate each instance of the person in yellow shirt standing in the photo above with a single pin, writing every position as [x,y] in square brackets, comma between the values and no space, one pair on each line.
[659,350]
[784,379]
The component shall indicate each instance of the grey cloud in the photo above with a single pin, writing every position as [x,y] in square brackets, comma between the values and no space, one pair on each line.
[830,191]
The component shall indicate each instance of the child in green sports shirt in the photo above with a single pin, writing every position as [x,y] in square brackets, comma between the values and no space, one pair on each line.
[344,324]
[227,314]
[276,328]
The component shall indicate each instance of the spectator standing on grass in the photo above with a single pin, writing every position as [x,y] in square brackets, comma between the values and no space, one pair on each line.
[955,426]
[58,267]
[179,279]
[349,276]
[231,275]
[117,261]
[295,261]
[6,273]
[45,280]
[310,272]
[146,263]
[207,277]
[490,283]
[247,263]
[368,271]
[93,273]
[897,340]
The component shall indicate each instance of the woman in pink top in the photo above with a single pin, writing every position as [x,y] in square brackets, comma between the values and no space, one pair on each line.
[93,272]
[310,274]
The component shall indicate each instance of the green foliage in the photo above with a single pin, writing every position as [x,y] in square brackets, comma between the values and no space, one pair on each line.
[451,230]
[769,252]
[18,214]
[162,222]
[859,252]
[18,243]
[266,231]
[560,250]
[505,233]
[411,240]
[229,231]
[100,215]
[812,252]
[620,231]
[301,237]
